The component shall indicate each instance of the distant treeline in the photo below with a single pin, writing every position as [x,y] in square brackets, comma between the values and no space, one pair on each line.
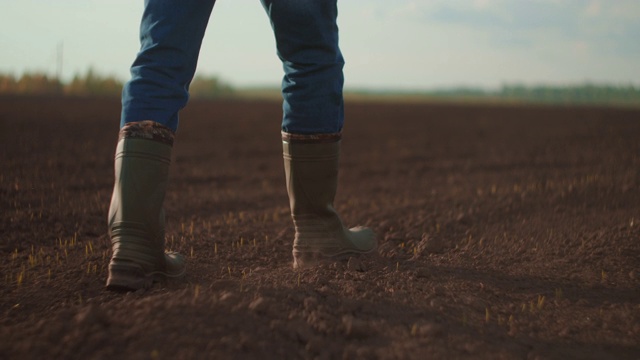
[577,94]
[588,93]
[91,83]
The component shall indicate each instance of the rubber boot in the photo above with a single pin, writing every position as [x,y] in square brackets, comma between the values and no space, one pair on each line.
[136,217]
[311,171]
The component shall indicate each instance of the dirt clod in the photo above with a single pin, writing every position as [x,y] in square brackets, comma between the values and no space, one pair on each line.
[355,264]
[355,328]
[259,305]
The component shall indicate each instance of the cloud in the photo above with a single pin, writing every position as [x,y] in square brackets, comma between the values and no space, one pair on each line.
[532,40]
[593,9]
[605,25]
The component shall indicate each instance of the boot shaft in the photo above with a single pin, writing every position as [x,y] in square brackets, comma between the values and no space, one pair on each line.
[141,175]
[311,172]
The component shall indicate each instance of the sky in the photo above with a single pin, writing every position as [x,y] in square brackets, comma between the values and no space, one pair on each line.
[399,44]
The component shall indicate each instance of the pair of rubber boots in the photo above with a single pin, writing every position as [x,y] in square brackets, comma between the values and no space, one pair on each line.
[136,217]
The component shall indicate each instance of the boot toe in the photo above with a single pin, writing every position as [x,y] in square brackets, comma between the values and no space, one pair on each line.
[363,239]
[175,264]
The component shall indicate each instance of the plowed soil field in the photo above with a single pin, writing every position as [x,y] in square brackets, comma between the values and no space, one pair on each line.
[505,232]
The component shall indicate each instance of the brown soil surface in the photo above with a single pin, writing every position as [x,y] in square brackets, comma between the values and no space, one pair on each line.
[505,232]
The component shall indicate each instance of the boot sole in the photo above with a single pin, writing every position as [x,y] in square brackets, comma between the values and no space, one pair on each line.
[305,260]
[131,277]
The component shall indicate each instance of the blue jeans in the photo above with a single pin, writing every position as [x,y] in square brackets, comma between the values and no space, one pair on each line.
[306,36]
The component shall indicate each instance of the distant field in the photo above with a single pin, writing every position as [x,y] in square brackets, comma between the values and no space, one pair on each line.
[469,96]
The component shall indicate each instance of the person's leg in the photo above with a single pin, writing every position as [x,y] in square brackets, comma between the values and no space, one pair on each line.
[307,41]
[170,34]
[307,44]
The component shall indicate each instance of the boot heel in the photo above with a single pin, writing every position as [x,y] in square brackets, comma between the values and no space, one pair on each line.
[302,260]
[127,277]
